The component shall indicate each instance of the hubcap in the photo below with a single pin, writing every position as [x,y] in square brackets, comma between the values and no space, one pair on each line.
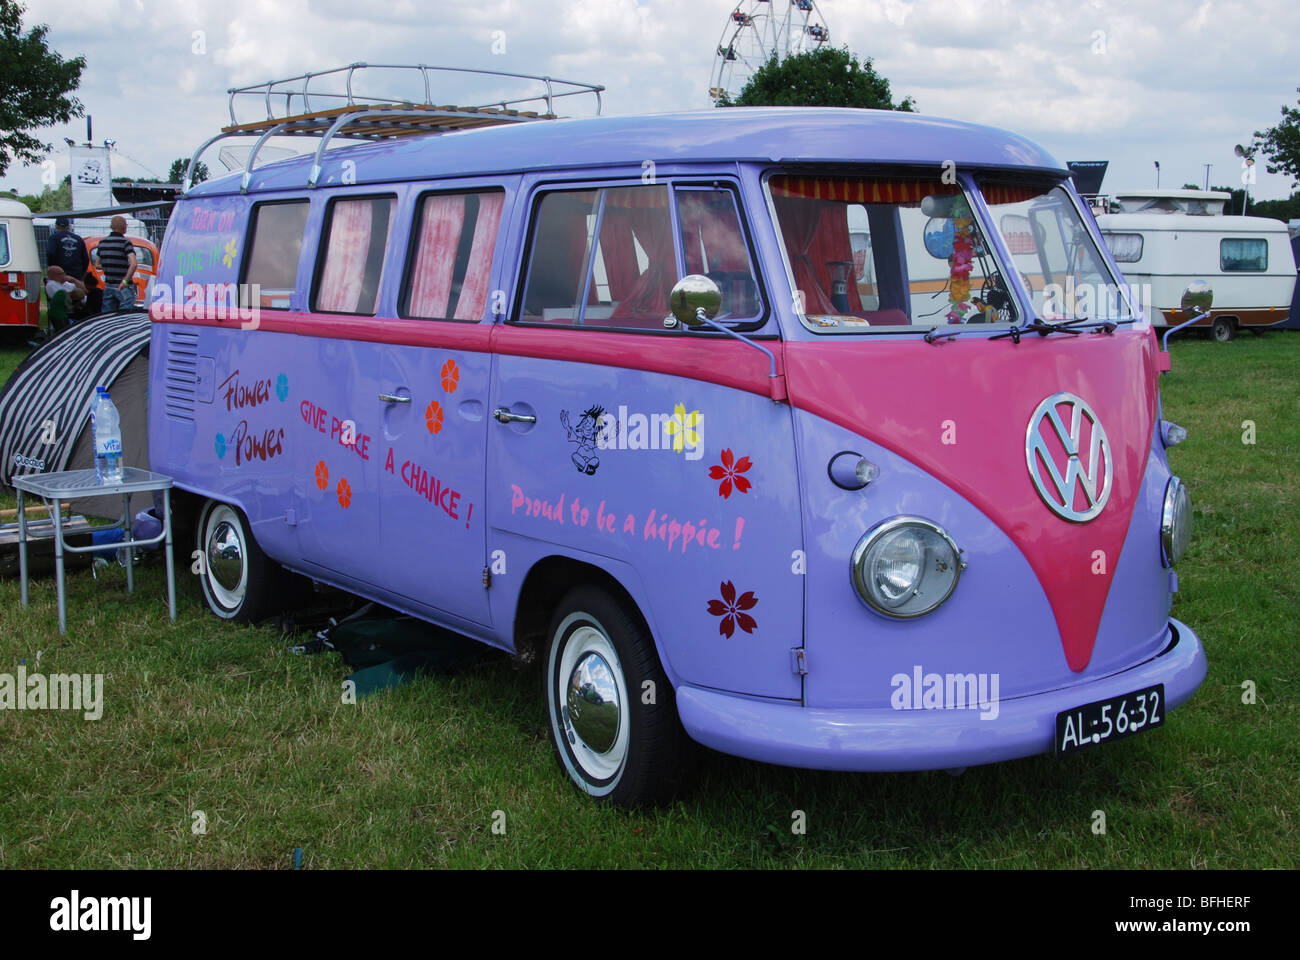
[227,574]
[593,702]
[589,704]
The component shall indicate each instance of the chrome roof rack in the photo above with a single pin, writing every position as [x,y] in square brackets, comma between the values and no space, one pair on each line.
[292,108]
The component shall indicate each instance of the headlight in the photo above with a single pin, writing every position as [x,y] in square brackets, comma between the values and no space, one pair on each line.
[1175,521]
[905,567]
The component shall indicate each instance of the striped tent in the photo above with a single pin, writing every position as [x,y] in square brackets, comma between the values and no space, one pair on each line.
[45,406]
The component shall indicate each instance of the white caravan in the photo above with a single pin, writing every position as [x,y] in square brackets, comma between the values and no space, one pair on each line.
[1171,238]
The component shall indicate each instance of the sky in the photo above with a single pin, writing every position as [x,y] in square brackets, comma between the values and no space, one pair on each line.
[1130,82]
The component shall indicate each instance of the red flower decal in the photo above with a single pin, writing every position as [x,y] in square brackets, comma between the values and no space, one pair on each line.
[731,608]
[730,474]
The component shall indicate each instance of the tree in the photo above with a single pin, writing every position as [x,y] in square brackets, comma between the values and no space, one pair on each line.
[177,172]
[49,200]
[824,77]
[35,83]
[1281,144]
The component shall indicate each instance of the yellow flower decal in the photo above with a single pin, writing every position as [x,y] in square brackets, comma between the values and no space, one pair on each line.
[684,428]
[231,249]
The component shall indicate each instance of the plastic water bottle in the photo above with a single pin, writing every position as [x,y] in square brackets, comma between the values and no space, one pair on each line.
[105,426]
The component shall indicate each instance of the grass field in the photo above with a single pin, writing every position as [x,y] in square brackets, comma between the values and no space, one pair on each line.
[202,716]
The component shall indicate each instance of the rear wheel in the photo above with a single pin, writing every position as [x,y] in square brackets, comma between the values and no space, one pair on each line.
[610,707]
[239,580]
[1223,329]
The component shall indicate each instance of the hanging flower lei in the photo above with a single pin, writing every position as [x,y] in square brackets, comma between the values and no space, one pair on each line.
[959,264]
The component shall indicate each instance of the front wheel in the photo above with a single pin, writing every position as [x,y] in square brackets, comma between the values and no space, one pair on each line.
[610,707]
[239,580]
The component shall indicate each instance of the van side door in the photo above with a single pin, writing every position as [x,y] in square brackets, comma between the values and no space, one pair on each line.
[436,374]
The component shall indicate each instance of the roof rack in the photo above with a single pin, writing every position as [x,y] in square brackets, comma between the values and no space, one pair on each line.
[291,108]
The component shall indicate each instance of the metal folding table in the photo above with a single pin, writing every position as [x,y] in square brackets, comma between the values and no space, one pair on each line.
[75,484]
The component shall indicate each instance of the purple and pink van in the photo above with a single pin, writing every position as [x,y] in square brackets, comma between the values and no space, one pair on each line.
[827,438]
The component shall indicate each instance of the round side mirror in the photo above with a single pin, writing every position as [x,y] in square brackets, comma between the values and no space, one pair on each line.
[693,293]
[1197,297]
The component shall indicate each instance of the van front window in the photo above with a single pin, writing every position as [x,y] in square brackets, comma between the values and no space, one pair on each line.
[887,254]
[1055,252]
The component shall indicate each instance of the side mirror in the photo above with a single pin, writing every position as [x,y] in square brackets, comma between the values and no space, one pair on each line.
[1197,298]
[691,295]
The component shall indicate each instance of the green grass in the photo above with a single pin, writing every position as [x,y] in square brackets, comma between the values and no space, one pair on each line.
[204,716]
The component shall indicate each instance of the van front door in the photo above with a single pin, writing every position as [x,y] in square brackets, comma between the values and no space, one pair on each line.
[657,458]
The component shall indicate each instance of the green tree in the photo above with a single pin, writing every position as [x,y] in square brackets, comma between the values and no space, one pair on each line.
[48,201]
[824,77]
[35,83]
[177,172]
[1281,145]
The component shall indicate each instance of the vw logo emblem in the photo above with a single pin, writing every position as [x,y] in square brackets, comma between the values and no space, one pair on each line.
[1073,481]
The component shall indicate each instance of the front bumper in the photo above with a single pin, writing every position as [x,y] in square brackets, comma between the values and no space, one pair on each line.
[885,739]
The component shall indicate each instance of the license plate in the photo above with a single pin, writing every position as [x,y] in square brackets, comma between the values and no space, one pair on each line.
[1113,719]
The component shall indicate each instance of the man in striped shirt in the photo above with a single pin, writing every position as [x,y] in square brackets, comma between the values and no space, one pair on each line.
[117,260]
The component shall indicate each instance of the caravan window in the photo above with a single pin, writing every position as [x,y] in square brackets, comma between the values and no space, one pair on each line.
[4,244]
[1124,247]
[450,267]
[271,261]
[1243,255]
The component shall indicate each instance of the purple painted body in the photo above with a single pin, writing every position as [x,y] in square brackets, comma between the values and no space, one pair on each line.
[724,528]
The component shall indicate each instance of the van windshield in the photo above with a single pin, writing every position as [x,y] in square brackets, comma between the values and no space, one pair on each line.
[887,254]
[1054,251]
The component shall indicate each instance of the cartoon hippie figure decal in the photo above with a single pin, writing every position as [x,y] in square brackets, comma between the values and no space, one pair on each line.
[584,435]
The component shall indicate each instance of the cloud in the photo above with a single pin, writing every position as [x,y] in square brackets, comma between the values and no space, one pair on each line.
[1179,82]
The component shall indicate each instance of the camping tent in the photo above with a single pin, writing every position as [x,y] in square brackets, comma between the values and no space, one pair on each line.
[45,406]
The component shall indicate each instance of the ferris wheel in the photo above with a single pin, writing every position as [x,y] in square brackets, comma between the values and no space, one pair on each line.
[757,29]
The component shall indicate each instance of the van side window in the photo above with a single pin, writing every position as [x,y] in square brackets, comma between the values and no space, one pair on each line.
[4,244]
[1242,255]
[356,240]
[713,244]
[272,258]
[602,258]
[450,267]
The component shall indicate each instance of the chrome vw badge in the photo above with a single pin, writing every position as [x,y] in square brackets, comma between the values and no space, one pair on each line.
[1074,485]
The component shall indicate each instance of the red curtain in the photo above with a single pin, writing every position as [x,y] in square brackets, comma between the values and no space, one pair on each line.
[648,298]
[860,189]
[472,303]
[799,221]
[345,257]
[435,256]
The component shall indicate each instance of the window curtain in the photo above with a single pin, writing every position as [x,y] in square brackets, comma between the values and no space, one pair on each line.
[710,223]
[345,257]
[435,258]
[652,228]
[472,303]
[799,222]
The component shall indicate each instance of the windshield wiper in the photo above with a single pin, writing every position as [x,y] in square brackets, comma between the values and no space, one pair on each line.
[1039,326]
[1043,328]
[933,336]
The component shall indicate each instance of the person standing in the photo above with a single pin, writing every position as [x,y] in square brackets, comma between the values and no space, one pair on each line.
[66,250]
[117,261]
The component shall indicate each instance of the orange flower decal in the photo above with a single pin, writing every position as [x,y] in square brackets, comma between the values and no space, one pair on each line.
[345,493]
[322,475]
[433,416]
[450,376]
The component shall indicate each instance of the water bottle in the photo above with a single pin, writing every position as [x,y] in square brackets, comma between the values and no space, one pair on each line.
[105,426]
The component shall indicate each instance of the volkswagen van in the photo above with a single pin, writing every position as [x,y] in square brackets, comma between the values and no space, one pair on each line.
[20,272]
[672,405]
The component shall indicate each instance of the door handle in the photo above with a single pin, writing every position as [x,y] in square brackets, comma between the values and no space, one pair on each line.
[393,398]
[504,415]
